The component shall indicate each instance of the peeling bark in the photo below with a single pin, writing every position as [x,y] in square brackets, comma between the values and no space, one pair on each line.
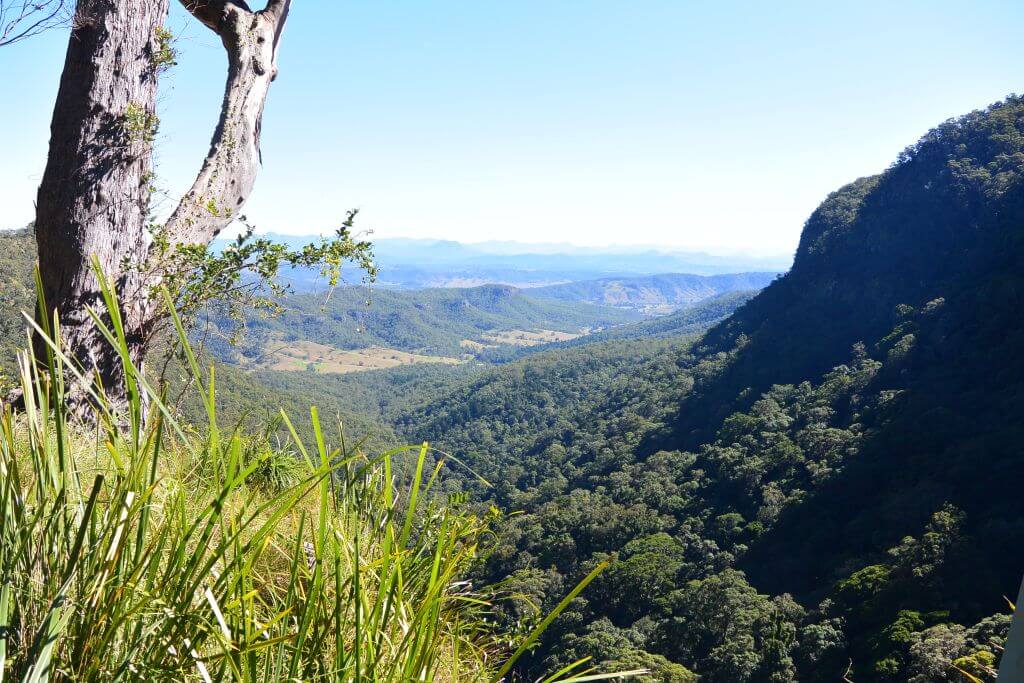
[93,200]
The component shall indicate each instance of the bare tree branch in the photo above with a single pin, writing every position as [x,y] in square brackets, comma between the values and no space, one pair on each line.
[211,12]
[21,19]
[278,9]
[229,171]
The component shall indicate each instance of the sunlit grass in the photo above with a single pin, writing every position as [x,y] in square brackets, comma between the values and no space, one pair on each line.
[140,549]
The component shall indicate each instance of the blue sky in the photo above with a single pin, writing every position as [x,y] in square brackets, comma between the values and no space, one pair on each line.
[714,125]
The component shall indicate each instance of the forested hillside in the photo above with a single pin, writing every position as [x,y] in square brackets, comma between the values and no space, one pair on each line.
[654,293]
[825,484]
[692,320]
[821,486]
[17,292]
[439,322]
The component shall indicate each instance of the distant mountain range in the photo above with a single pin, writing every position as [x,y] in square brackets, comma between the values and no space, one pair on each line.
[654,293]
[417,263]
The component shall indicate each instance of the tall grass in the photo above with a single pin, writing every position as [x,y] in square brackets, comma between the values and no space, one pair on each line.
[137,549]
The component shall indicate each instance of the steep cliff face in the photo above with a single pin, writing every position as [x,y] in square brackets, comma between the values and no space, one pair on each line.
[924,264]
[850,437]
[953,432]
[945,217]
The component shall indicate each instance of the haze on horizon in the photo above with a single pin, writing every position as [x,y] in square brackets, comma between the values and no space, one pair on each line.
[677,124]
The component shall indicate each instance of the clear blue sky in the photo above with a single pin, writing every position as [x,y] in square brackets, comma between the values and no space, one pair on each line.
[697,124]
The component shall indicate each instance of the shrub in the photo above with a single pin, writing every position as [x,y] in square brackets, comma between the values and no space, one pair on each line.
[122,560]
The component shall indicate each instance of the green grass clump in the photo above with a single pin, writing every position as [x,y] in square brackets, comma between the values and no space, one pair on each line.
[141,550]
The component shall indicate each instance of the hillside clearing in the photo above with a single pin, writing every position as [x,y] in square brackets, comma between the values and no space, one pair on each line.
[311,356]
[531,337]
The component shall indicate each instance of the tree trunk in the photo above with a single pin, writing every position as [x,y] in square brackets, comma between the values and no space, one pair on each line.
[94,197]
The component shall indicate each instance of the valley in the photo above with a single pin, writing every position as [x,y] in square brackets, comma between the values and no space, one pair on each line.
[820,485]
[789,477]
[787,470]
[428,342]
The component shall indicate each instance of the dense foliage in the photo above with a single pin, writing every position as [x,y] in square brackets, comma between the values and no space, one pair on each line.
[825,481]
[17,292]
[255,404]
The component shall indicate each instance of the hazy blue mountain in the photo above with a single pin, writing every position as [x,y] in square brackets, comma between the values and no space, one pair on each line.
[654,293]
[417,263]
